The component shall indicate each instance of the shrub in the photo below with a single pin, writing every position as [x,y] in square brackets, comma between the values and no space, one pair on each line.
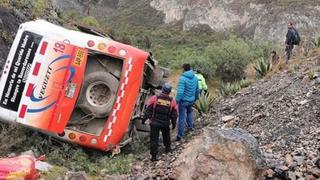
[39,7]
[316,42]
[262,67]
[70,15]
[204,102]
[5,3]
[231,58]
[90,21]
[228,89]
[245,83]
[312,74]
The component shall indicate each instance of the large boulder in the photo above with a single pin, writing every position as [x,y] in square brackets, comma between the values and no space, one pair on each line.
[220,154]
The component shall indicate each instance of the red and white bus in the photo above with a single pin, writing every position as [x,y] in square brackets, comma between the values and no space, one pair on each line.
[81,87]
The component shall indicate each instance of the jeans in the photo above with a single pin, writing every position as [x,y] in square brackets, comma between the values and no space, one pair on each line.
[185,109]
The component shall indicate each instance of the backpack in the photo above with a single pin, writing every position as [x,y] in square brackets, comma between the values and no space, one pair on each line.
[163,107]
[296,37]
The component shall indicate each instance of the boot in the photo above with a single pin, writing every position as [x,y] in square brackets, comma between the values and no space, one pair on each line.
[154,158]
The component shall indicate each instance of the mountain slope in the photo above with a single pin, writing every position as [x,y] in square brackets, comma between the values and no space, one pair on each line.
[256,19]
[283,113]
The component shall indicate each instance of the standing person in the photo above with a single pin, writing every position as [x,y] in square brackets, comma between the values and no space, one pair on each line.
[292,38]
[203,88]
[161,109]
[188,92]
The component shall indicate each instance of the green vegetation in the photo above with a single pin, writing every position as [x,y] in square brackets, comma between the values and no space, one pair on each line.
[222,56]
[204,102]
[39,7]
[219,56]
[228,89]
[245,83]
[5,3]
[312,74]
[74,157]
[54,173]
[90,21]
[6,36]
[316,42]
[215,55]
[262,67]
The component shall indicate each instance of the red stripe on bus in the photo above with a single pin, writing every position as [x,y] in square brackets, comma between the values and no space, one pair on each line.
[43,48]
[23,111]
[36,69]
[29,90]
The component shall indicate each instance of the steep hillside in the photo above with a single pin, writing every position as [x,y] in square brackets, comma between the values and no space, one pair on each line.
[282,112]
[256,19]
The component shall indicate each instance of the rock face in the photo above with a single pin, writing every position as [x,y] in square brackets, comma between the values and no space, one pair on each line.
[8,25]
[220,154]
[253,18]
[97,8]
[266,20]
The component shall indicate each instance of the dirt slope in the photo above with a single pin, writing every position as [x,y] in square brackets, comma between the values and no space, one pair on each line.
[283,113]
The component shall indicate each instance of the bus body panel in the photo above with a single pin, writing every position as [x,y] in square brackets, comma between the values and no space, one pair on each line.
[45,105]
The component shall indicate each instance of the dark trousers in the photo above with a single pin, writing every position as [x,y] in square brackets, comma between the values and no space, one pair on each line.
[289,49]
[154,138]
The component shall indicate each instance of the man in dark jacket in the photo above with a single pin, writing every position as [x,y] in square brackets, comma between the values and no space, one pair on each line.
[188,92]
[292,38]
[161,109]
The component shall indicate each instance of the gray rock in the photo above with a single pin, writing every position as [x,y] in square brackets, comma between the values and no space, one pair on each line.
[221,153]
[299,159]
[43,166]
[227,118]
[292,175]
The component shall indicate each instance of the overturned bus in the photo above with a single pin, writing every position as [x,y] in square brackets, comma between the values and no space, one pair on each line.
[79,86]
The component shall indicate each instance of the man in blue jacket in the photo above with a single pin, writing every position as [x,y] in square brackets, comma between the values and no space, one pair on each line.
[188,92]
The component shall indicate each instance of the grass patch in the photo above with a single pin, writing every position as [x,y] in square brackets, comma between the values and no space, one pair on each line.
[70,156]
[228,89]
[262,67]
[312,74]
[54,173]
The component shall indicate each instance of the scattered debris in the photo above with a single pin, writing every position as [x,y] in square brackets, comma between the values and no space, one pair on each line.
[20,167]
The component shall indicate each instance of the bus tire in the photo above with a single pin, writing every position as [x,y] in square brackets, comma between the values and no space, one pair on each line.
[98,93]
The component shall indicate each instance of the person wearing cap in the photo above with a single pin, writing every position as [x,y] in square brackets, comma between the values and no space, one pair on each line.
[203,88]
[161,110]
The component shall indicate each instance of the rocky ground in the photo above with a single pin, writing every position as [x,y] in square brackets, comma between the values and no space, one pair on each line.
[281,112]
